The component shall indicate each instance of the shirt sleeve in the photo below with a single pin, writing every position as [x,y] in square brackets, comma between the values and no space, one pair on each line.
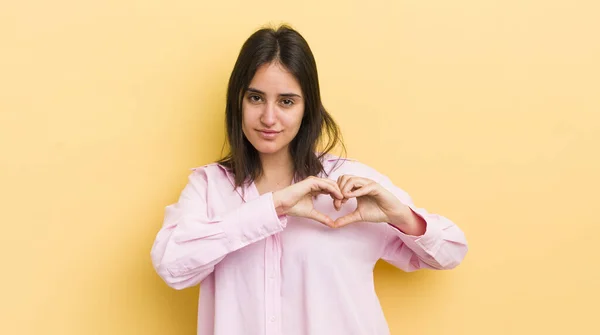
[443,245]
[189,244]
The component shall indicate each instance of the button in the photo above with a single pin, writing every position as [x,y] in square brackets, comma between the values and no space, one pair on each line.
[271,276]
[273,318]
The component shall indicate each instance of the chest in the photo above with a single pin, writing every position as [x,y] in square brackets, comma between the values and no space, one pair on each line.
[306,242]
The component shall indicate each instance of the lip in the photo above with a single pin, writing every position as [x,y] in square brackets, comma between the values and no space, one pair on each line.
[269,134]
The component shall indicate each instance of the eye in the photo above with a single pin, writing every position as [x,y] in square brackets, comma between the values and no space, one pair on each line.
[254,98]
[287,102]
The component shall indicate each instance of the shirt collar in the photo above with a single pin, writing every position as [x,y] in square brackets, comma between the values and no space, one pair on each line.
[248,191]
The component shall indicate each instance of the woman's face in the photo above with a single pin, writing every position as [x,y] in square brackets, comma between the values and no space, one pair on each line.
[272,109]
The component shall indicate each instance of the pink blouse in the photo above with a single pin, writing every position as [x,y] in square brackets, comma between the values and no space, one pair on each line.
[260,273]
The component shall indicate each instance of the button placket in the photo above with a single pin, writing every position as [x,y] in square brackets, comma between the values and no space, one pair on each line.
[272,285]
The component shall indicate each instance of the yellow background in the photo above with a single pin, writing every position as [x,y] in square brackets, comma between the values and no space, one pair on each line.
[485,111]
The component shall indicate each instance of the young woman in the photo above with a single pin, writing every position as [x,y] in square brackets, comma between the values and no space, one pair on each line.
[283,239]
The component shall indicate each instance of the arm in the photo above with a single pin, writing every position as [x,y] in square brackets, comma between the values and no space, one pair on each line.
[438,244]
[189,244]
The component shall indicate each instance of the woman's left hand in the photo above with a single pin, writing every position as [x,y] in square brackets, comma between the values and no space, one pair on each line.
[374,202]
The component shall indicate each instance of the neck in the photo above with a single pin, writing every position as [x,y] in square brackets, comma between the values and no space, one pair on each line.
[278,167]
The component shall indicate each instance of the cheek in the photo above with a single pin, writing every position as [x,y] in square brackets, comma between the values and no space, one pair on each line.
[293,118]
[247,116]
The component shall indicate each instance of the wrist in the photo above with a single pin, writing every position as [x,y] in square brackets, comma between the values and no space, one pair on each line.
[408,221]
[277,203]
[399,216]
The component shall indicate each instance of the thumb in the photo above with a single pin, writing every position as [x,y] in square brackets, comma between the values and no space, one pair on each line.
[347,219]
[318,216]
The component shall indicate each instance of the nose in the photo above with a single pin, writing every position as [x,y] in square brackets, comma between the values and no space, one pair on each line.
[269,115]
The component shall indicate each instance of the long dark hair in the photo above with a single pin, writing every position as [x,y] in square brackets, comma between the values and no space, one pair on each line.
[287,47]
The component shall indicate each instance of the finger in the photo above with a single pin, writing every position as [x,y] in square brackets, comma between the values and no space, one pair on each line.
[352,184]
[347,219]
[362,191]
[329,186]
[337,204]
[332,182]
[321,191]
[342,180]
[320,217]
[335,185]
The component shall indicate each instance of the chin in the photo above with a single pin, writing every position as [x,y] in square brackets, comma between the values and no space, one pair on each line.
[268,151]
[268,148]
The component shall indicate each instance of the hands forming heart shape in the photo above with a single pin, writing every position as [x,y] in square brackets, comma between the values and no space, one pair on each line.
[374,202]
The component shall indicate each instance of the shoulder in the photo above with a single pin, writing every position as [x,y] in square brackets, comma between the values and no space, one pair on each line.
[336,166]
[210,167]
[211,172]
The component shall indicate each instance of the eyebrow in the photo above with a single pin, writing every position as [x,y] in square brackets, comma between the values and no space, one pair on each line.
[254,90]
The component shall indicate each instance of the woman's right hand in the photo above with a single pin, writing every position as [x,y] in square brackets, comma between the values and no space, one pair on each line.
[297,199]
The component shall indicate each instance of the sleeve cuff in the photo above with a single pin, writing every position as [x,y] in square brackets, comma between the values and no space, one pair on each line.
[253,221]
[430,241]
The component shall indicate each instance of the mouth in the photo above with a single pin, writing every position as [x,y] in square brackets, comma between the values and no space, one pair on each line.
[269,134]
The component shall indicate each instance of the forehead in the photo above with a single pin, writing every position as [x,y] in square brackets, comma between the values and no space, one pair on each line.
[274,78]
